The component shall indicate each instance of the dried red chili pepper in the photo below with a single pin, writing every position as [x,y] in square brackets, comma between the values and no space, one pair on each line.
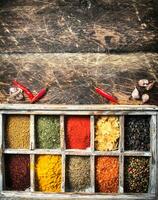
[39,95]
[26,91]
[106,95]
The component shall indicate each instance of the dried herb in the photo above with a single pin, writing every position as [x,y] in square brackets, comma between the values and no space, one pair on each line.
[107,133]
[136,174]
[77,132]
[48,132]
[107,174]
[77,174]
[17,172]
[137,133]
[17,131]
[48,173]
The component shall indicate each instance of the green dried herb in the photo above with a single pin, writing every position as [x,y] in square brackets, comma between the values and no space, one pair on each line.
[48,132]
[77,174]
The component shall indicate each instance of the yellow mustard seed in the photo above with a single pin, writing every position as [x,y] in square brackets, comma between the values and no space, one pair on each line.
[17,131]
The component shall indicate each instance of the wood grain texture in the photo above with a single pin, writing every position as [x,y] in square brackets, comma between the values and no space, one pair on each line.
[72,78]
[78,26]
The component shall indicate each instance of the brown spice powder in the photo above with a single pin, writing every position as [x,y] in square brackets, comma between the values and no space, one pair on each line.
[17,131]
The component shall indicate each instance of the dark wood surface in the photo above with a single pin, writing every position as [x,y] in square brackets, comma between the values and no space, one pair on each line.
[72,78]
[76,26]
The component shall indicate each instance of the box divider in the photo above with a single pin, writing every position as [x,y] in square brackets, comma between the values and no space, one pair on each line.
[2,168]
[152,177]
[121,156]
[63,172]
[32,156]
[62,133]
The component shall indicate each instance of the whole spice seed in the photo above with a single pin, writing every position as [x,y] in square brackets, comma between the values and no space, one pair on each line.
[137,133]
[48,173]
[136,174]
[77,132]
[107,170]
[17,131]
[48,132]
[17,172]
[77,174]
[107,133]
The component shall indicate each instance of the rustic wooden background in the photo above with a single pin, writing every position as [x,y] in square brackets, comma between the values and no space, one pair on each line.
[75,45]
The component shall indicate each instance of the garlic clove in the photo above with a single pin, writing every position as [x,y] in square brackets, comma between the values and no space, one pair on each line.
[13,90]
[143,82]
[145,98]
[135,94]
[150,85]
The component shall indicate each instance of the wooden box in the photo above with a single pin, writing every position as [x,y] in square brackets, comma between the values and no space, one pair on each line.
[92,111]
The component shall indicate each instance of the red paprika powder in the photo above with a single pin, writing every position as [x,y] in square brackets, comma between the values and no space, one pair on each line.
[77,132]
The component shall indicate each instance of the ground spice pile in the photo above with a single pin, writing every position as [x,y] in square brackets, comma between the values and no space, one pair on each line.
[137,133]
[17,172]
[77,174]
[107,133]
[107,174]
[48,173]
[17,131]
[48,132]
[136,174]
[77,132]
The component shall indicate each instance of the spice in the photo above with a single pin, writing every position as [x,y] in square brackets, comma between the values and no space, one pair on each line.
[106,95]
[27,91]
[107,170]
[77,132]
[17,172]
[137,133]
[48,132]
[107,133]
[48,173]
[136,174]
[38,96]
[77,174]
[17,131]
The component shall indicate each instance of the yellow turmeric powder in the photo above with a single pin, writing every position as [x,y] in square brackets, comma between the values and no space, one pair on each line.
[107,133]
[48,173]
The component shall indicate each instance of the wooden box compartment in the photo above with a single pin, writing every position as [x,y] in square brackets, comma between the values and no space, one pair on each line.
[39,158]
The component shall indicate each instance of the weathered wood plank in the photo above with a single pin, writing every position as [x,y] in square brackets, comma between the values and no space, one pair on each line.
[92,132]
[121,174]
[62,133]
[153,146]
[1,155]
[72,78]
[92,173]
[41,195]
[78,26]
[32,132]
[121,156]
[63,173]
[32,173]
[32,156]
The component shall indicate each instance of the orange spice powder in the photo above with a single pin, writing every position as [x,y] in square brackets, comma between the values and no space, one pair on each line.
[107,174]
